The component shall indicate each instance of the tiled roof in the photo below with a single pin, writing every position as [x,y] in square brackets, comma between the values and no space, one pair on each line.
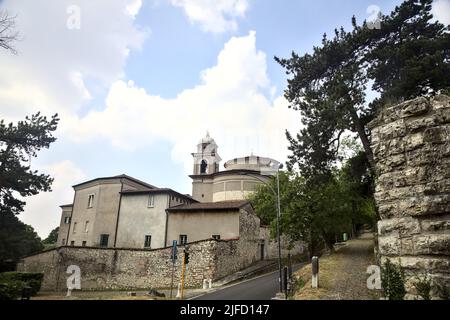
[211,206]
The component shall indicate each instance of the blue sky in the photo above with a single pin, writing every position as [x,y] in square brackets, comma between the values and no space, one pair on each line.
[139,82]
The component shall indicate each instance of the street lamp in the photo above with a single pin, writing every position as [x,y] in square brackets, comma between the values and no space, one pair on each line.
[279,166]
[278,207]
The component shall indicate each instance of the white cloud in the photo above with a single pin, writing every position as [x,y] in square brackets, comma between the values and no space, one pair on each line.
[134,7]
[214,15]
[42,211]
[441,11]
[54,62]
[51,72]
[230,102]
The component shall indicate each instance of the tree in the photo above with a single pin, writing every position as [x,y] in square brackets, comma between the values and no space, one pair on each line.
[18,145]
[16,240]
[52,237]
[319,214]
[7,33]
[407,57]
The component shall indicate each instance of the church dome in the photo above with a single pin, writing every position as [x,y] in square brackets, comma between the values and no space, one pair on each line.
[251,163]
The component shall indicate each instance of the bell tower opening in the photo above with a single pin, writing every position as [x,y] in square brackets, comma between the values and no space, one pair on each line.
[203,167]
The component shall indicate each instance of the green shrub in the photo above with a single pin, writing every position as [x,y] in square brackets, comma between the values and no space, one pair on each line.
[423,287]
[299,283]
[393,281]
[33,280]
[11,289]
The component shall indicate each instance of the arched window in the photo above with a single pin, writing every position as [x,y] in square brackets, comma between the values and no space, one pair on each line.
[203,166]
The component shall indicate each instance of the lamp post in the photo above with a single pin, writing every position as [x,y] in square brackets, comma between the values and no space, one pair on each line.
[280,166]
[278,208]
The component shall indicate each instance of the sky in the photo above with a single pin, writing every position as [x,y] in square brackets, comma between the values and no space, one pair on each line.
[137,83]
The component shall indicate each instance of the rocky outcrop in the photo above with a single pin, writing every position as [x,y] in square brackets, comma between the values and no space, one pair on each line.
[411,145]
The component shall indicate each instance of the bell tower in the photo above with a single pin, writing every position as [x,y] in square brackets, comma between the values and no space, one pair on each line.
[206,159]
[206,164]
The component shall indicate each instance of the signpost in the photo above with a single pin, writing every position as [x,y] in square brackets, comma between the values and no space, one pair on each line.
[183,270]
[174,259]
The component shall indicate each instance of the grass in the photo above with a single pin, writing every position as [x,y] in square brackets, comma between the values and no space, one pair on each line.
[328,265]
[342,274]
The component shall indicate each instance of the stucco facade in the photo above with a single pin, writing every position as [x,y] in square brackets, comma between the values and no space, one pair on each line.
[222,220]
[91,220]
[114,212]
[139,219]
[230,185]
[203,225]
[64,224]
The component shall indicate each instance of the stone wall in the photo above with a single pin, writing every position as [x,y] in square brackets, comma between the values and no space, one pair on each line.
[411,144]
[127,269]
[271,246]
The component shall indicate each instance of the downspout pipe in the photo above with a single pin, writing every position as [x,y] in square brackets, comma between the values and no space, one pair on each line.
[167,220]
[118,213]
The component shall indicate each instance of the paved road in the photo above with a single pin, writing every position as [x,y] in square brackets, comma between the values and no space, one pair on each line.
[261,288]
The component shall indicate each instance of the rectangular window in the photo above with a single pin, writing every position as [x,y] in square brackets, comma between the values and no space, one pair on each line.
[104,240]
[86,227]
[84,244]
[67,220]
[148,242]
[151,201]
[183,239]
[91,201]
[216,236]
[72,243]
[74,227]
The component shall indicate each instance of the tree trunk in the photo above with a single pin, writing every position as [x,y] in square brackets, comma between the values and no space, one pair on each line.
[364,140]
[368,151]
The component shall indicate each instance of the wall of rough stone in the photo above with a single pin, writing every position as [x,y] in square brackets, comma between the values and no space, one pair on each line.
[127,269]
[298,248]
[233,256]
[411,144]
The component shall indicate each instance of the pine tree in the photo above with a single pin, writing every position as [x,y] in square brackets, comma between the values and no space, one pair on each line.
[407,57]
[18,145]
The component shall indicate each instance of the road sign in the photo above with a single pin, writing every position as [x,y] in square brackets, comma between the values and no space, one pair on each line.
[174,258]
[174,250]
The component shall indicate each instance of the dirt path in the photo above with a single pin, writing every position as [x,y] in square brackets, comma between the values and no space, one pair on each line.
[342,274]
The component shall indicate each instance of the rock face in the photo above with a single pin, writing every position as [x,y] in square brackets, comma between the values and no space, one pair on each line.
[411,145]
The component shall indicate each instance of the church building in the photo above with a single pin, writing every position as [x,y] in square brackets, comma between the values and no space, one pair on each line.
[124,212]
